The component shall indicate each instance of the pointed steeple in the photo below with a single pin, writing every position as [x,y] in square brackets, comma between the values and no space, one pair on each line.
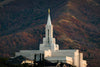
[49,19]
[49,42]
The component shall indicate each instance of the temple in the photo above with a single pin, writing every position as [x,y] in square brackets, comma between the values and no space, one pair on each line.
[51,50]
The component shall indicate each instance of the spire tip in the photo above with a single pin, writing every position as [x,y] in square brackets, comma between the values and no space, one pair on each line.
[49,11]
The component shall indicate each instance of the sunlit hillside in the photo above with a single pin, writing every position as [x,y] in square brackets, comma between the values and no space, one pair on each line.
[76,25]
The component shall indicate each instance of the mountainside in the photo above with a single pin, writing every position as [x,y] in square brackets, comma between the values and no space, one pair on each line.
[76,25]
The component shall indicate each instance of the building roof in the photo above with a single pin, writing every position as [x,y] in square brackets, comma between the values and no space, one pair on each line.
[17,60]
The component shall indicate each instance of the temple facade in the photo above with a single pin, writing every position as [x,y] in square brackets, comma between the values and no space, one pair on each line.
[51,50]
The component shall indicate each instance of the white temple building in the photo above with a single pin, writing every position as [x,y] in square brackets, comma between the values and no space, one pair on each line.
[51,50]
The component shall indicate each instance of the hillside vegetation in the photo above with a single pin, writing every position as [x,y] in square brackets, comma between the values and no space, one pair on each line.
[76,25]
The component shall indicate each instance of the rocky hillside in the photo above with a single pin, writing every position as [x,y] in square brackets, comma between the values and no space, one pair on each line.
[76,25]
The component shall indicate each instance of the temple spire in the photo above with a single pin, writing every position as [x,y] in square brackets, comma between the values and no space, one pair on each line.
[48,11]
[49,19]
[49,42]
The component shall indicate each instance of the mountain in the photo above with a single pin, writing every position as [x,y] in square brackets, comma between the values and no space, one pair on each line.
[76,25]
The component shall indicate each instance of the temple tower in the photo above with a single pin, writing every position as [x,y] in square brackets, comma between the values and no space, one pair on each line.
[48,40]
